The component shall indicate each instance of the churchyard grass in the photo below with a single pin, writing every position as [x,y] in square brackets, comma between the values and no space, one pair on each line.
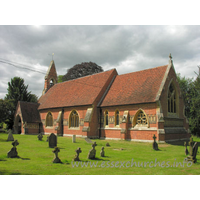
[36,158]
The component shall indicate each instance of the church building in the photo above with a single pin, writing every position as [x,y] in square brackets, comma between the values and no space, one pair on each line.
[132,106]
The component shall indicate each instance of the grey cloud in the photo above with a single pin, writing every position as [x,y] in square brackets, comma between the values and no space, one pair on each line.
[127,48]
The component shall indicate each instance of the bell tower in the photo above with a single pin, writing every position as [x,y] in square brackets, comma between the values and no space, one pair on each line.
[50,78]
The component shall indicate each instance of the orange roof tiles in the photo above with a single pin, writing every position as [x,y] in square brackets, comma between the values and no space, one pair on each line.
[134,88]
[81,91]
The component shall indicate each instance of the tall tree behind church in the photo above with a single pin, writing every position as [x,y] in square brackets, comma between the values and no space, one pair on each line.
[80,70]
[190,89]
[17,91]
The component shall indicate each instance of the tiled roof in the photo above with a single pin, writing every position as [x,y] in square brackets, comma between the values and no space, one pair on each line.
[81,91]
[136,87]
[29,111]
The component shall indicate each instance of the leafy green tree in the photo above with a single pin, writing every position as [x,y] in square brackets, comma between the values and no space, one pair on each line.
[187,90]
[60,77]
[17,91]
[190,90]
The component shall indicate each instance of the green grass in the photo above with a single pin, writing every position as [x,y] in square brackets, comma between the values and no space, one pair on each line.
[36,157]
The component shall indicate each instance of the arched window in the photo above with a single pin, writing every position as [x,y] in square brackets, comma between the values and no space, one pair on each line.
[140,119]
[49,119]
[106,118]
[171,99]
[117,118]
[74,119]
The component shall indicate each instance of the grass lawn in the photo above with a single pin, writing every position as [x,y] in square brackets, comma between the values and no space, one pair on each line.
[36,158]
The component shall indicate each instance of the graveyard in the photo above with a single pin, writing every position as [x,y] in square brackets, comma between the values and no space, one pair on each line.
[93,157]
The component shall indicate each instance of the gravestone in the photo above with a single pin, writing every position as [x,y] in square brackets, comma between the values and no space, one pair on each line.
[78,151]
[56,159]
[102,153]
[73,138]
[192,151]
[47,139]
[40,136]
[107,144]
[155,144]
[13,152]
[10,136]
[88,140]
[52,140]
[92,152]
[186,150]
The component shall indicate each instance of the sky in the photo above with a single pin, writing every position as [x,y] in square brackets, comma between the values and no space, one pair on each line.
[127,48]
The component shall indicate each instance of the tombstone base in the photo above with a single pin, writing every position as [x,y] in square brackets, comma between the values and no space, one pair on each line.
[76,158]
[92,154]
[102,154]
[190,158]
[13,153]
[155,146]
[57,160]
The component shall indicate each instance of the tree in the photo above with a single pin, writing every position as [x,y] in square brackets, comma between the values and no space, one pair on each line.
[190,90]
[17,91]
[60,77]
[80,70]
[187,90]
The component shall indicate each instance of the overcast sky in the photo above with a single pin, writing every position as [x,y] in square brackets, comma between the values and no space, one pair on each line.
[126,48]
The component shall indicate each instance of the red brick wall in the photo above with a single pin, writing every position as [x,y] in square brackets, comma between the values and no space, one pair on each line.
[149,109]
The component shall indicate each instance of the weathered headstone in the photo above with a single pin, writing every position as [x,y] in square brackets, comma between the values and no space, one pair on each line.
[40,136]
[73,138]
[92,152]
[10,136]
[56,159]
[13,152]
[102,153]
[47,139]
[107,144]
[191,143]
[155,144]
[78,151]
[88,140]
[192,151]
[186,150]
[52,140]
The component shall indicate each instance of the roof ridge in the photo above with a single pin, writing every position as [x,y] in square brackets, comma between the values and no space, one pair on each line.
[143,70]
[86,76]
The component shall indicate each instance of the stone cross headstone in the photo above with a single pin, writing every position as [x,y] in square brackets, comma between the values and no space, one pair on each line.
[186,150]
[13,152]
[92,152]
[88,140]
[102,153]
[40,136]
[10,136]
[193,151]
[52,140]
[78,151]
[155,145]
[56,159]
[73,138]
